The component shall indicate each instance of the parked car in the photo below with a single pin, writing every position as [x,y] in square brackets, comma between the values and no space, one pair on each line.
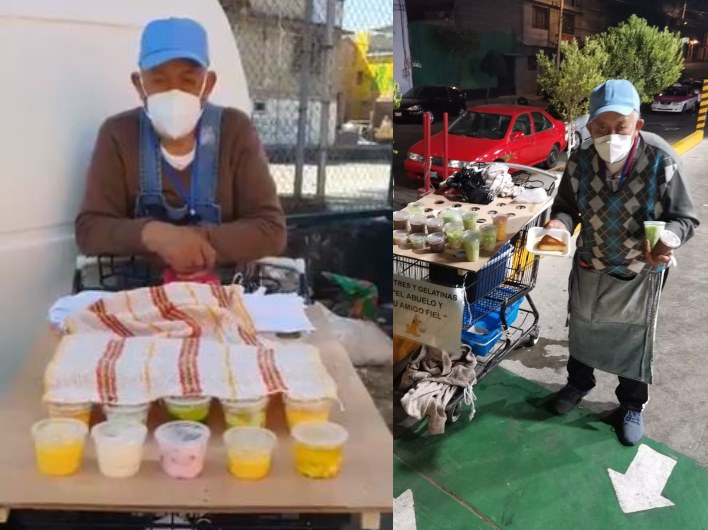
[489,133]
[429,98]
[578,133]
[676,98]
[695,84]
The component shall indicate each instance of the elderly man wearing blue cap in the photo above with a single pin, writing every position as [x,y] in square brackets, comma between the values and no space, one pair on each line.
[619,179]
[179,178]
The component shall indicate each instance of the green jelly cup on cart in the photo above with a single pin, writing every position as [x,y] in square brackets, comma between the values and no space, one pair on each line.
[469,220]
[471,243]
[488,238]
[450,215]
[188,408]
[454,233]
[417,241]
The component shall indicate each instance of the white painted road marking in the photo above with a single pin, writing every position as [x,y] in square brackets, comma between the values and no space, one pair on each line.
[640,487]
[404,512]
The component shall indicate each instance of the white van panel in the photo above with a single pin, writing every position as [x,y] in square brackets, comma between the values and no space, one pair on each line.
[66,67]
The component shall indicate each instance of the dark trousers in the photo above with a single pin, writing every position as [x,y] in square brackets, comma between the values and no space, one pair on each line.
[630,393]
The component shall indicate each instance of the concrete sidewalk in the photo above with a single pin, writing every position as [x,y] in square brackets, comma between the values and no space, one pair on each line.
[677,414]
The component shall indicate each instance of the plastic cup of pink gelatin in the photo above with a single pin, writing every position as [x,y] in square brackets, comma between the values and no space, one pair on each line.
[183,446]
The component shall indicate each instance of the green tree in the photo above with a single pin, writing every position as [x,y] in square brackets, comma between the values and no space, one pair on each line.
[493,65]
[396,95]
[568,88]
[649,57]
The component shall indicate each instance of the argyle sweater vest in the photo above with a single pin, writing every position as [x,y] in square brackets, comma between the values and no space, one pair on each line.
[612,223]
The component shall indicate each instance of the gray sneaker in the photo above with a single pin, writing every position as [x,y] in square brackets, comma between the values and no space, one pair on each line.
[567,398]
[632,427]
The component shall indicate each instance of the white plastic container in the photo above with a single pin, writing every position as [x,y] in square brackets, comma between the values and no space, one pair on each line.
[119,447]
[536,233]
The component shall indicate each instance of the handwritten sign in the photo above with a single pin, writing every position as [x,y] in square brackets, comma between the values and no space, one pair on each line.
[427,313]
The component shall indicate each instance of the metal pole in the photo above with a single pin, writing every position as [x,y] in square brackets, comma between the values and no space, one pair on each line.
[304,97]
[560,35]
[445,146]
[326,99]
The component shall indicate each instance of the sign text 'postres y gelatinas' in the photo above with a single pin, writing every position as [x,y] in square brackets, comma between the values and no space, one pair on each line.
[427,313]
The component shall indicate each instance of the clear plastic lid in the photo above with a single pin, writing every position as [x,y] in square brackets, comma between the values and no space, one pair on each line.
[670,239]
[401,215]
[435,237]
[182,433]
[250,439]
[324,435]
[119,431]
[59,430]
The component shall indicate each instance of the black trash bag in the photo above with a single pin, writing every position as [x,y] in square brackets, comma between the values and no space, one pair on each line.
[470,182]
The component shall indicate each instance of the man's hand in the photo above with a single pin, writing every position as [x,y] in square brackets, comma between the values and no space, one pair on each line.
[183,249]
[660,255]
[555,223]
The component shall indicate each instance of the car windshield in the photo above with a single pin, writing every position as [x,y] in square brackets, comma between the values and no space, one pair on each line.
[481,125]
[676,91]
[421,92]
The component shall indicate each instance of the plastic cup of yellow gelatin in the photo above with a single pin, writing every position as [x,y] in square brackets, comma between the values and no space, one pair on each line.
[249,451]
[245,412]
[188,408]
[75,411]
[319,449]
[306,411]
[59,445]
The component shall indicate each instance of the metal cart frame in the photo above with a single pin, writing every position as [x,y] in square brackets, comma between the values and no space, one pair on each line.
[515,267]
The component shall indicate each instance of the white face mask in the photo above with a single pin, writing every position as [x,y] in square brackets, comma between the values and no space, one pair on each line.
[613,147]
[174,113]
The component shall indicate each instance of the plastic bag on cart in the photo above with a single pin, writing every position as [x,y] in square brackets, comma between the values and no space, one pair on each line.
[532,196]
[471,183]
[498,180]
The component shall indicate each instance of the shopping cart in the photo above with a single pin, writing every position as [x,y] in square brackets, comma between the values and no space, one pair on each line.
[499,314]
[119,273]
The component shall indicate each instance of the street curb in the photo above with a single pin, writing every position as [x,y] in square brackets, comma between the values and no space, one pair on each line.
[689,142]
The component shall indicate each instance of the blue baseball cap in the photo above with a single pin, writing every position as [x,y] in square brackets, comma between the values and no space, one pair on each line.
[173,38]
[615,95]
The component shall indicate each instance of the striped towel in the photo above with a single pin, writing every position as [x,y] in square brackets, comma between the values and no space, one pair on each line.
[176,310]
[104,368]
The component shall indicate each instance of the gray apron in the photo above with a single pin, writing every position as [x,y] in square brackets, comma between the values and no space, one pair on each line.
[612,321]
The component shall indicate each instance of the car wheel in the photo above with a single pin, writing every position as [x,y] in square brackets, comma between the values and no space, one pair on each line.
[578,139]
[552,158]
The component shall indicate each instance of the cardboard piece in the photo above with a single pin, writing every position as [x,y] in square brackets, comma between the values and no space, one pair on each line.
[364,485]
[521,215]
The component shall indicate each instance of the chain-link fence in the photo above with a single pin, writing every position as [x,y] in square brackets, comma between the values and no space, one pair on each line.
[320,75]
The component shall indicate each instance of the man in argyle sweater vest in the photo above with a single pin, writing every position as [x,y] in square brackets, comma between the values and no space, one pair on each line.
[612,184]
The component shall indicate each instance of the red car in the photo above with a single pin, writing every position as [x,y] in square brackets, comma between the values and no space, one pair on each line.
[489,133]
